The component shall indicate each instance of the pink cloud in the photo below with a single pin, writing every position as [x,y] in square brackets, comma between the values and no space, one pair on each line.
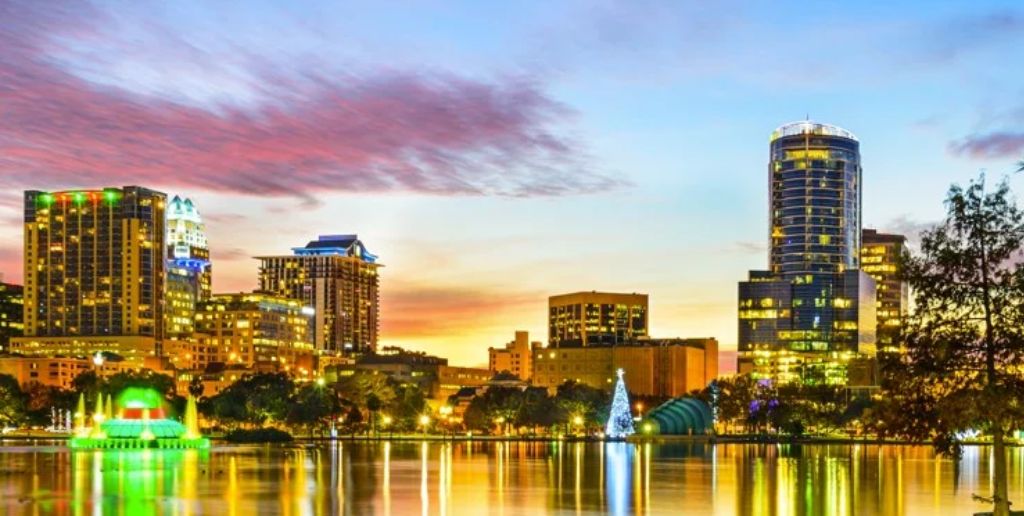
[992,145]
[390,131]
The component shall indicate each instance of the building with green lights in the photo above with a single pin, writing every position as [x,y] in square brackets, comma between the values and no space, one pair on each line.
[338,278]
[813,311]
[11,313]
[189,273]
[94,269]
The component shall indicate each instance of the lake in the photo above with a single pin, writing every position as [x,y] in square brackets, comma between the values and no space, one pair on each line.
[505,478]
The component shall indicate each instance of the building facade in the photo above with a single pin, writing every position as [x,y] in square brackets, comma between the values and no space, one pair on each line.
[813,312]
[516,357]
[808,328]
[653,367]
[189,272]
[94,266]
[338,278]
[596,319]
[59,371]
[815,199]
[12,308]
[250,329]
[880,258]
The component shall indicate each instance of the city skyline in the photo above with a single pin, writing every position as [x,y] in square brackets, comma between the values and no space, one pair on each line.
[619,159]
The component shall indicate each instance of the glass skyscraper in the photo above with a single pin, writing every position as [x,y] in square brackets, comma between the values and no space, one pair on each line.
[189,274]
[815,200]
[813,311]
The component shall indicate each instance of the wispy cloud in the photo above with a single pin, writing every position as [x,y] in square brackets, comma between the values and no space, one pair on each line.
[908,227]
[313,131]
[997,144]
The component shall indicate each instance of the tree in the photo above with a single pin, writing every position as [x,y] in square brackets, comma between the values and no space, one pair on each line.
[12,402]
[312,406]
[965,340]
[537,409]
[359,386]
[254,399]
[40,400]
[496,407]
[373,405]
[87,383]
[406,406]
[575,399]
[620,417]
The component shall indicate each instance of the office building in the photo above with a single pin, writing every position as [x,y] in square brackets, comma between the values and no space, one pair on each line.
[94,271]
[880,258]
[812,312]
[653,367]
[596,319]
[60,371]
[189,274]
[338,278]
[252,329]
[11,314]
[516,357]
[815,199]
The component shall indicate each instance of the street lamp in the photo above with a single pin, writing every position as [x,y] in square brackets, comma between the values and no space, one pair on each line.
[577,421]
[386,422]
[424,421]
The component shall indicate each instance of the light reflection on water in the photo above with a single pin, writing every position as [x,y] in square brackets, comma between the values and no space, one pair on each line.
[397,478]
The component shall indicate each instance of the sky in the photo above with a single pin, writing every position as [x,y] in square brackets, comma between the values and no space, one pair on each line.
[495,153]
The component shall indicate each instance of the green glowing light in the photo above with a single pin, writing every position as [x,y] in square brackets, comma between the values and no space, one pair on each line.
[138,397]
[110,195]
[79,197]
[46,199]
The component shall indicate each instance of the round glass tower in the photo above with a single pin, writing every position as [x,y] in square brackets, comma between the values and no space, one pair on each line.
[815,184]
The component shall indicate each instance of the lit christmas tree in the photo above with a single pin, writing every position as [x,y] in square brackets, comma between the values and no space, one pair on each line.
[620,419]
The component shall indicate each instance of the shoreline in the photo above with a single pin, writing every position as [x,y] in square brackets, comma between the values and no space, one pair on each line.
[661,439]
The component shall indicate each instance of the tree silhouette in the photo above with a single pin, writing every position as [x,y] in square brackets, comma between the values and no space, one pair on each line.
[964,342]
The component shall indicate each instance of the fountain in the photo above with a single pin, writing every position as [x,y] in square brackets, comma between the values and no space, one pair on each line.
[141,422]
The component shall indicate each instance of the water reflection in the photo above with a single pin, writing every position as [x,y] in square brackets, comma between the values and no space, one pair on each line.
[497,478]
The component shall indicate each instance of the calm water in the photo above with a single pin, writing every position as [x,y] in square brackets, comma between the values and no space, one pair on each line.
[496,478]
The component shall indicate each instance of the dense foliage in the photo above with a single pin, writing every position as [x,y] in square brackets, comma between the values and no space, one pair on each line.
[964,342]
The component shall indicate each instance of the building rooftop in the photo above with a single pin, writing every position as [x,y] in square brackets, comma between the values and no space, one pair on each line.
[337,245]
[332,245]
[811,127]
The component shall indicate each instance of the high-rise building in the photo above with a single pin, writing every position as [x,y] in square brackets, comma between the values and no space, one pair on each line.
[813,312]
[880,257]
[815,204]
[11,313]
[516,357]
[94,272]
[596,319]
[338,278]
[251,329]
[189,275]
